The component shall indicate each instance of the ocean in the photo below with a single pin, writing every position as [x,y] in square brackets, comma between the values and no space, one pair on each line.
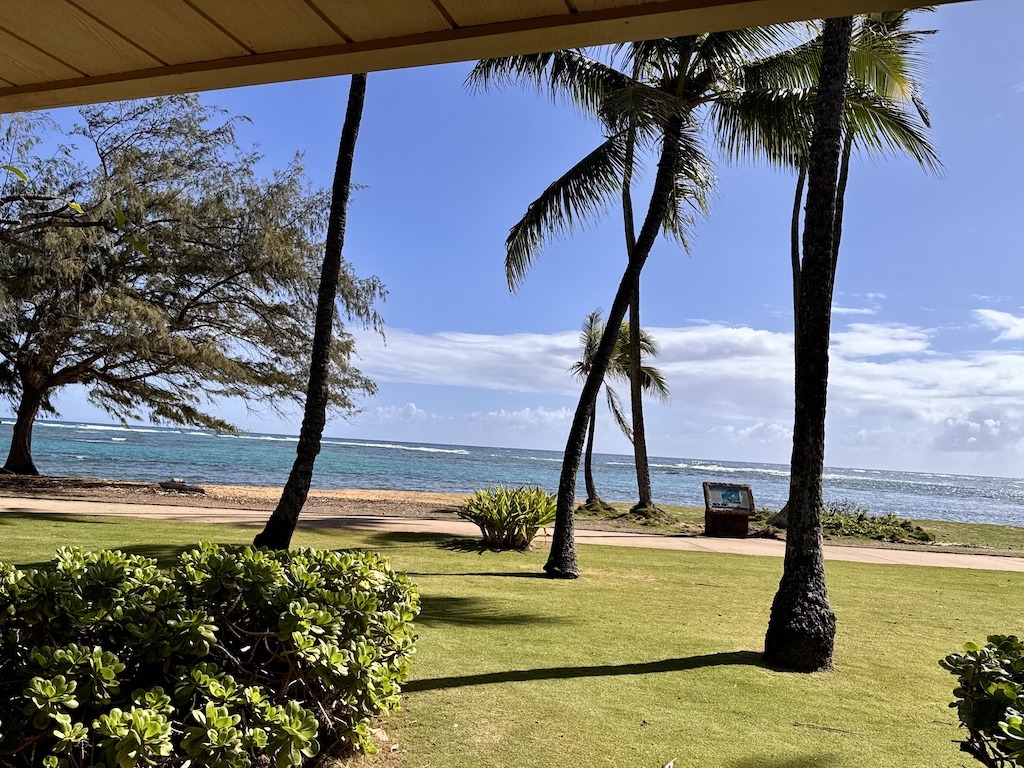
[152,454]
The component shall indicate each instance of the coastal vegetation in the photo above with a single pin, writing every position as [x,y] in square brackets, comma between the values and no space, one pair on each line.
[989,699]
[654,659]
[232,657]
[620,368]
[509,518]
[187,276]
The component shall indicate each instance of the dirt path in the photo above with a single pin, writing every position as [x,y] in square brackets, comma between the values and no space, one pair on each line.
[369,519]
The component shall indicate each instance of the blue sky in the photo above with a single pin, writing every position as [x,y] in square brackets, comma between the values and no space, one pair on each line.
[928,349]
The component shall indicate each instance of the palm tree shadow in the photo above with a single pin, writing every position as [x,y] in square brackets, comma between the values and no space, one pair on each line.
[805,761]
[473,612]
[732,658]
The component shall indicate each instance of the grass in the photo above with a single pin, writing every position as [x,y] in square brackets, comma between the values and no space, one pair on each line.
[1003,539]
[650,656]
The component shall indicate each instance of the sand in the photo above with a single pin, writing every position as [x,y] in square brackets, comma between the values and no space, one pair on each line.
[226,497]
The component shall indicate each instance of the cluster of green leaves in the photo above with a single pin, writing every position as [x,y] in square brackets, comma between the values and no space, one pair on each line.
[509,518]
[846,519]
[235,656]
[989,698]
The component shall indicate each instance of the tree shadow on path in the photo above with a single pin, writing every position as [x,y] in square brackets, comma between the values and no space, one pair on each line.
[733,658]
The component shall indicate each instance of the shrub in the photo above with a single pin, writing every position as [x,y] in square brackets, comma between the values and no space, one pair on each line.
[235,656]
[845,518]
[509,518]
[989,698]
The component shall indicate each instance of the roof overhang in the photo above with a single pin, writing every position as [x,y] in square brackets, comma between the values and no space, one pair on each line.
[63,52]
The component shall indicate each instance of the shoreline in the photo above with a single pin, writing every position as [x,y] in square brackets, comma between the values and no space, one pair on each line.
[257,498]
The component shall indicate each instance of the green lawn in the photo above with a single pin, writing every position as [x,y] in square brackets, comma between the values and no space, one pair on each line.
[1008,539]
[650,656]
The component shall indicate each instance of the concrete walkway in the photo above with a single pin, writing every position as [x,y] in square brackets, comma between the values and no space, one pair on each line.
[455,527]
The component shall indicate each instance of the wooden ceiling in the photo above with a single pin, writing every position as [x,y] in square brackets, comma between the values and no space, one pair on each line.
[62,52]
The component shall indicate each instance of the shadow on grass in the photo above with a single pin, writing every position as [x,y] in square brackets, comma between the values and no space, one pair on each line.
[805,761]
[502,574]
[21,515]
[744,658]
[438,611]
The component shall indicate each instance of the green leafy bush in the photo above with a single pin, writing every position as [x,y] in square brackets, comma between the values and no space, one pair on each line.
[845,518]
[509,518]
[236,656]
[989,698]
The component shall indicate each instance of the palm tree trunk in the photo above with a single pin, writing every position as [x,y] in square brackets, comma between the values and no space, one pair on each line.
[794,242]
[645,504]
[781,519]
[562,562]
[19,458]
[593,500]
[636,400]
[801,630]
[278,532]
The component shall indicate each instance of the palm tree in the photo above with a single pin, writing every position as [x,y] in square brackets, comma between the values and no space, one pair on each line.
[884,113]
[277,533]
[652,104]
[651,380]
[801,630]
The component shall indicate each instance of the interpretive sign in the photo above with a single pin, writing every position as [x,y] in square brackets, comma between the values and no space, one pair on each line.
[727,509]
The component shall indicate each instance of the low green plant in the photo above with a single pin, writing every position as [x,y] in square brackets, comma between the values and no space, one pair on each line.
[989,699]
[236,656]
[845,519]
[509,518]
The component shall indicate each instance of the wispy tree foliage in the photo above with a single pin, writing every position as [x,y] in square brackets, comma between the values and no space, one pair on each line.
[148,259]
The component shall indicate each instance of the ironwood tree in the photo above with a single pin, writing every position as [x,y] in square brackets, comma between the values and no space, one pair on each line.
[144,257]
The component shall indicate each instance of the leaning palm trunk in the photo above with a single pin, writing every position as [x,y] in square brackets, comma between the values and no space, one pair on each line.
[801,630]
[562,563]
[278,532]
[645,504]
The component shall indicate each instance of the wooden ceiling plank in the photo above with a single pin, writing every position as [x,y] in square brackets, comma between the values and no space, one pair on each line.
[471,13]
[169,29]
[24,63]
[264,28]
[655,19]
[72,37]
[382,19]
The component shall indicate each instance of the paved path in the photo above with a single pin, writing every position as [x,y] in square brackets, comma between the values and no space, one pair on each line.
[455,527]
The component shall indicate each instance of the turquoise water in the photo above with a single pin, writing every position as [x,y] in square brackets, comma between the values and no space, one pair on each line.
[153,454]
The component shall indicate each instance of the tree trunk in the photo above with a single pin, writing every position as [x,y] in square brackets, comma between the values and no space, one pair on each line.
[19,458]
[593,500]
[636,401]
[645,503]
[562,563]
[801,630]
[781,519]
[278,532]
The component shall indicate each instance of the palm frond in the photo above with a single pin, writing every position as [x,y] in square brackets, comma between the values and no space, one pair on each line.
[615,406]
[580,195]
[653,382]
[570,75]
[693,182]
[879,125]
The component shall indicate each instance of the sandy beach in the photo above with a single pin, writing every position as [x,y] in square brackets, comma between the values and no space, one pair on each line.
[226,497]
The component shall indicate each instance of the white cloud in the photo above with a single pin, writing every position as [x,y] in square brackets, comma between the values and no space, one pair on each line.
[877,339]
[838,310]
[893,399]
[1010,327]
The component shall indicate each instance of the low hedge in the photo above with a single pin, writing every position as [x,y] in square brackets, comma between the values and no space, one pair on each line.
[989,699]
[233,657]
